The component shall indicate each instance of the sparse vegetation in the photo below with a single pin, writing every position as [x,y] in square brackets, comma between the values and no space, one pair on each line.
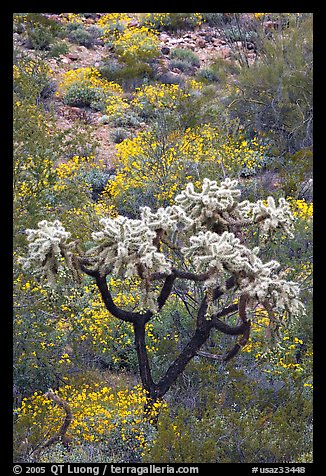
[185,55]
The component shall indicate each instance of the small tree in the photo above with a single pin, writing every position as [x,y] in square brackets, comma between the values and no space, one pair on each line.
[202,242]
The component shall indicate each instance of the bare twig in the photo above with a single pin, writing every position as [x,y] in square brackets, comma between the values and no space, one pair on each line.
[61,434]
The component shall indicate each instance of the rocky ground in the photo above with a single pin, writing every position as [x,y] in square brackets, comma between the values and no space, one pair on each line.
[204,41]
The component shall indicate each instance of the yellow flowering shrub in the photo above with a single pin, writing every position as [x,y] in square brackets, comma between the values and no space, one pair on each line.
[131,42]
[81,322]
[26,188]
[282,355]
[36,142]
[69,170]
[70,323]
[83,218]
[79,210]
[26,70]
[301,209]
[100,414]
[113,24]
[89,80]
[137,43]
[102,334]
[260,16]
[71,18]
[161,166]
[162,96]
[41,347]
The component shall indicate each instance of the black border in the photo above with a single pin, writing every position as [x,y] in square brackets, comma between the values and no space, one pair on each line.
[6,247]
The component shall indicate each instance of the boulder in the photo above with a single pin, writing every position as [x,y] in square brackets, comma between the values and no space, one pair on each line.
[200,43]
[133,23]
[306,190]
[224,52]
[165,50]
[164,37]
[72,56]
[219,42]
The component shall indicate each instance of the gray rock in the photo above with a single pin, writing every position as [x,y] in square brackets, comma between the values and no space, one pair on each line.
[200,42]
[165,50]
[306,191]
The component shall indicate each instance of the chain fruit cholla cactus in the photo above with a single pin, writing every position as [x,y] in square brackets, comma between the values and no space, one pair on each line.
[202,239]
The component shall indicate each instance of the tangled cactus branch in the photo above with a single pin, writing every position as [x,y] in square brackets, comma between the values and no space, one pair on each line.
[61,435]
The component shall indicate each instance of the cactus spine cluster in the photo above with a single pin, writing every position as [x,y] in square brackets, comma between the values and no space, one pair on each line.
[206,228]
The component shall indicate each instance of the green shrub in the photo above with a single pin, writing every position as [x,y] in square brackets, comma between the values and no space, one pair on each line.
[128,119]
[58,49]
[95,30]
[118,135]
[235,432]
[171,21]
[48,90]
[128,75]
[294,169]
[105,119]
[237,34]
[41,31]
[185,55]
[83,37]
[96,179]
[208,74]
[216,19]
[39,39]
[111,70]
[276,91]
[182,65]
[80,95]
[224,68]
[72,26]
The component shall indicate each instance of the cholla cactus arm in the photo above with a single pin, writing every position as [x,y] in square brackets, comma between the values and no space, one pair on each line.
[206,208]
[267,287]
[163,218]
[126,249]
[124,244]
[216,254]
[218,208]
[48,248]
[213,197]
[224,253]
[269,216]
[166,223]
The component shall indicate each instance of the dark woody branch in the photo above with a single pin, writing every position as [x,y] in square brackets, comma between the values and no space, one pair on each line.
[116,311]
[198,339]
[218,292]
[204,325]
[130,316]
[166,290]
[61,434]
[243,299]
[181,275]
